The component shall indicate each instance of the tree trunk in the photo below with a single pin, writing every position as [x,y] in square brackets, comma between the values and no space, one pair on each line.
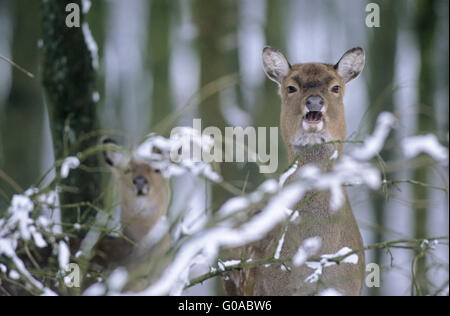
[68,79]
[381,67]
[159,58]
[425,25]
[217,46]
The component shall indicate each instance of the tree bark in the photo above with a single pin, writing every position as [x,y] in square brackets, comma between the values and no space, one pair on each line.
[68,79]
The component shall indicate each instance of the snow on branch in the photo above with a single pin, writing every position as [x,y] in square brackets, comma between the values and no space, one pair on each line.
[428,144]
[17,227]
[173,155]
[234,224]
[225,228]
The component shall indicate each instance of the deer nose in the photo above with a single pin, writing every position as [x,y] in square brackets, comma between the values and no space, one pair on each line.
[314,103]
[140,182]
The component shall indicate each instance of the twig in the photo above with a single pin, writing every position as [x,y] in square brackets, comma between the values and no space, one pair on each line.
[204,93]
[10,181]
[9,61]
[414,182]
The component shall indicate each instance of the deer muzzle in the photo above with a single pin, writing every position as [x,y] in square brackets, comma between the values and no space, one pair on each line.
[314,109]
[141,185]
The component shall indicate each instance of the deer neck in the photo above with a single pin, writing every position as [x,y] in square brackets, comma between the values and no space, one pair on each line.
[322,156]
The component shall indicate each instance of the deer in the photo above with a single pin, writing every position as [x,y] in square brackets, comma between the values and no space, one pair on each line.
[312,113]
[144,198]
[144,192]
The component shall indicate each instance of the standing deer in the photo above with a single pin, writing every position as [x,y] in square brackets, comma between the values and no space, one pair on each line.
[312,113]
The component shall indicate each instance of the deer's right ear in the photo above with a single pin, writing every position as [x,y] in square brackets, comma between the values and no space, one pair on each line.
[275,64]
[113,158]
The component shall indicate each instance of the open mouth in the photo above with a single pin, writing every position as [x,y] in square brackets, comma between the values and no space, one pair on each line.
[141,192]
[313,117]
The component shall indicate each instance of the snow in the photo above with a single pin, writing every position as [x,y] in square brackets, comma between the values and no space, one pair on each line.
[330,292]
[286,175]
[428,144]
[309,247]
[117,280]
[226,230]
[7,248]
[335,155]
[168,159]
[51,212]
[68,164]
[96,96]
[206,233]
[374,143]
[20,209]
[86,5]
[280,246]
[95,290]
[158,232]
[14,275]
[38,239]
[91,45]
[204,246]
[353,259]
[346,170]
[326,262]
[63,255]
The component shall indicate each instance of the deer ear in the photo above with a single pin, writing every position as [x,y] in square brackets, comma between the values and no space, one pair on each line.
[113,158]
[351,64]
[275,64]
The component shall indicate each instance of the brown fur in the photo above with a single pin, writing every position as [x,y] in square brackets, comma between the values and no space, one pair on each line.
[140,213]
[336,229]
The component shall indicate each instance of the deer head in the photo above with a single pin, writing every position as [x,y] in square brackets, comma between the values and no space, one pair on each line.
[312,109]
[143,191]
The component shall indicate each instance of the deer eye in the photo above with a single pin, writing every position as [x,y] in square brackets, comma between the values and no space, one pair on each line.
[157,171]
[336,89]
[291,89]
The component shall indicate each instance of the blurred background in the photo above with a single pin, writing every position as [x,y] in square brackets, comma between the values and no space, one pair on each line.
[152,56]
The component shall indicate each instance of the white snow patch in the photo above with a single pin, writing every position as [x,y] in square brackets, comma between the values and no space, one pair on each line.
[68,164]
[308,248]
[330,292]
[325,262]
[374,143]
[91,44]
[428,144]
[63,255]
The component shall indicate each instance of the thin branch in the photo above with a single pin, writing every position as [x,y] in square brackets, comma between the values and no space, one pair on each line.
[10,181]
[9,61]
[414,182]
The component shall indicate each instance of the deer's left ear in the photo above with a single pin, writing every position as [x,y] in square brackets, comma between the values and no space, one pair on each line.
[351,64]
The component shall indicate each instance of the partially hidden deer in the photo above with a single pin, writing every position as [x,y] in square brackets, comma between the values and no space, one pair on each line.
[312,113]
[144,193]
